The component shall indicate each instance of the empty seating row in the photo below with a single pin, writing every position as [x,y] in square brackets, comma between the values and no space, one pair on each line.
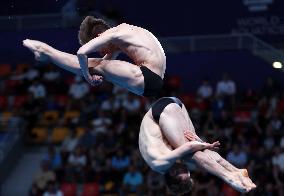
[56,135]
[46,119]
[6,69]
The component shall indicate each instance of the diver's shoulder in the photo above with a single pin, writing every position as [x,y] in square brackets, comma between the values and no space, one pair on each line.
[124,25]
[128,26]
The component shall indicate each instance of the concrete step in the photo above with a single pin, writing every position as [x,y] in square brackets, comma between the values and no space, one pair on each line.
[20,179]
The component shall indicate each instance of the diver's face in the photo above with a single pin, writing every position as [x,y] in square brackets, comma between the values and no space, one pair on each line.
[184,176]
[181,172]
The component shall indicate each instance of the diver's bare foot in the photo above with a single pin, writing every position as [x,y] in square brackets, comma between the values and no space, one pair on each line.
[244,181]
[245,178]
[38,48]
[236,183]
[245,174]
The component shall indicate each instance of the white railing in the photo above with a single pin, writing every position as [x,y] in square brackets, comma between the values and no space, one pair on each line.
[170,44]
[221,43]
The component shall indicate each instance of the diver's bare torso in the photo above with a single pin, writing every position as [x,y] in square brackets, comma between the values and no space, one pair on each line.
[141,46]
[152,145]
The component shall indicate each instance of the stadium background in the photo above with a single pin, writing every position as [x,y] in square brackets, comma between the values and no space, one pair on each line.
[58,133]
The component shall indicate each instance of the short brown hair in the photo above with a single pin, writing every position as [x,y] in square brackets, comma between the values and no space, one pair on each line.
[90,28]
[174,181]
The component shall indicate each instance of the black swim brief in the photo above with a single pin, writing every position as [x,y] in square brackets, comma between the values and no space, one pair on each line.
[159,106]
[153,82]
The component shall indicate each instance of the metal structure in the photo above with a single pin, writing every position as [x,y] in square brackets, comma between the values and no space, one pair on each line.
[171,44]
[223,43]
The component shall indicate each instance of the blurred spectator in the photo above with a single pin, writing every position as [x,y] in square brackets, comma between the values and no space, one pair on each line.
[110,141]
[278,177]
[32,74]
[131,103]
[51,74]
[282,142]
[268,141]
[52,190]
[70,142]
[16,121]
[77,159]
[91,106]
[98,158]
[133,180]
[53,158]
[275,124]
[237,157]
[120,93]
[120,160]
[37,89]
[155,183]
[29,74]
[217,106]
[44,175]
[88,139]
[101,123]
[226,86]
[79,89]
[205,91]
[111,105]
[30,111]
[278,158]
[76,168]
